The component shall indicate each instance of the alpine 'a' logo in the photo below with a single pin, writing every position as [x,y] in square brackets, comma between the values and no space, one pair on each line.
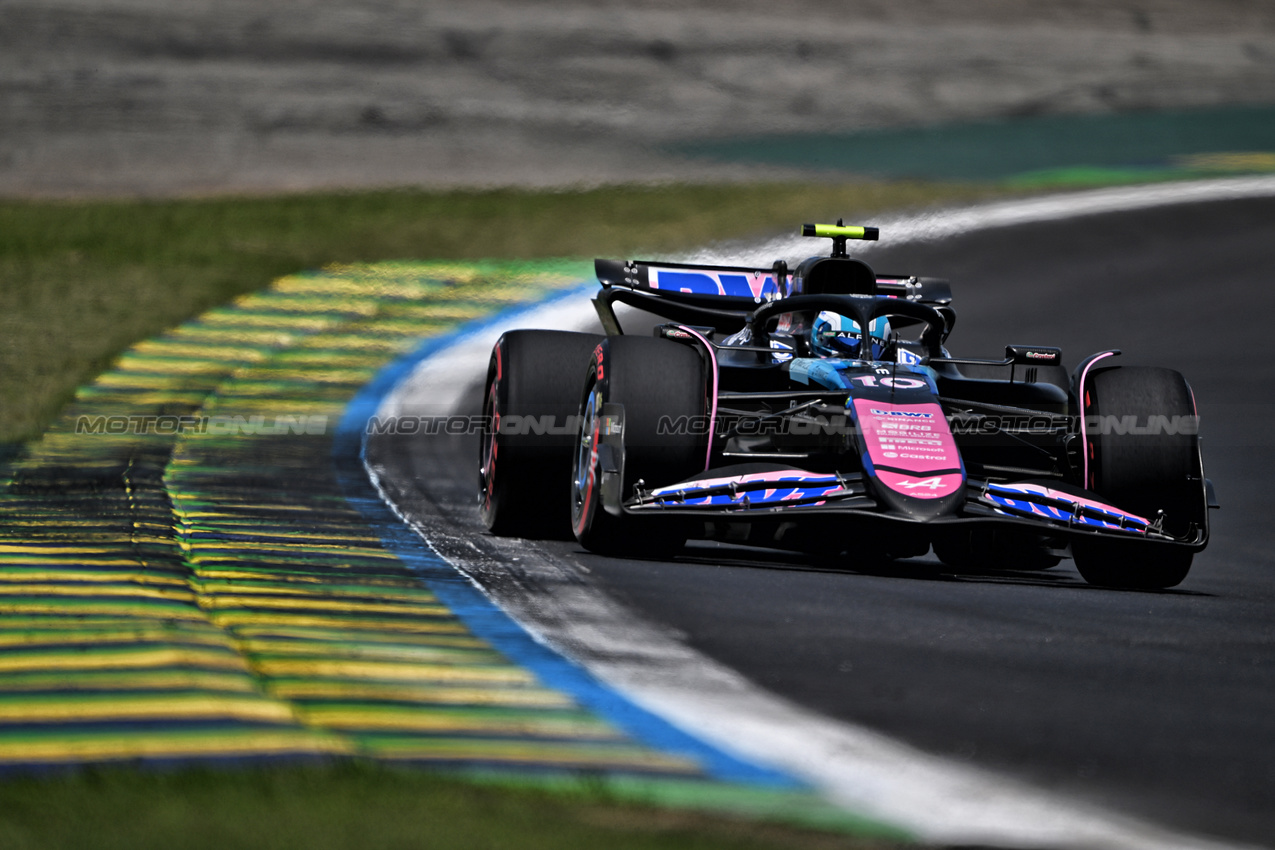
[928,483]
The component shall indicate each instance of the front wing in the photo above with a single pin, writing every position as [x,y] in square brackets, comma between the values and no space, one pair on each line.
[794,493]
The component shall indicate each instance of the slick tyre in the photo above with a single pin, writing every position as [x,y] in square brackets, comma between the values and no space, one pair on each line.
[530,402]
[1143,456]
[652,379]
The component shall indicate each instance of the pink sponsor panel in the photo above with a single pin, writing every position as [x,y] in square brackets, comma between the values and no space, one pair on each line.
[911,437]
[911,447]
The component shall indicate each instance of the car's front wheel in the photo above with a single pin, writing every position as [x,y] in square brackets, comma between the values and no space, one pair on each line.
[660,387]
[1142,455]
[529,409]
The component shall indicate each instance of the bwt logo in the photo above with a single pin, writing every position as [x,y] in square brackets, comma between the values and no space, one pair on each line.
[911,414]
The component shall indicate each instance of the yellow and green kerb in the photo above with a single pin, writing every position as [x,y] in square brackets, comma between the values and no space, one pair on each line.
[181,576]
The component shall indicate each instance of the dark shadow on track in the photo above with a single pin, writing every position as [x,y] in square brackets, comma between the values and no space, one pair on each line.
[914,569]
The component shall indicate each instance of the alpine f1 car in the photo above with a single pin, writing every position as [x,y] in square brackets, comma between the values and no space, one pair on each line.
[817,409]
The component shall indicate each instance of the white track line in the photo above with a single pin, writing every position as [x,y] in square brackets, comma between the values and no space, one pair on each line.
[937,799]
[941,224]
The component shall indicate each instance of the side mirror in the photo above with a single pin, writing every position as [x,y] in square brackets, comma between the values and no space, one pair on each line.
[1033,355]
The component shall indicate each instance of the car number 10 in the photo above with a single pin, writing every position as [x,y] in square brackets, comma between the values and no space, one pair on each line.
[892,383]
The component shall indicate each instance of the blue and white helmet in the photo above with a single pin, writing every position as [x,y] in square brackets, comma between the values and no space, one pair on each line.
[835,335]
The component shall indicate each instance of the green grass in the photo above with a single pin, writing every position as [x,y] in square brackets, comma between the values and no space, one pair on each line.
[358,806]
[81,281]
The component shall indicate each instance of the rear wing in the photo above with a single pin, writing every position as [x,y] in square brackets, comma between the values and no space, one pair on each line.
[724,296]
[719,287]
[741,286]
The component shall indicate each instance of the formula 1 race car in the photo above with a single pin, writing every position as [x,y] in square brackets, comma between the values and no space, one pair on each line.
[818,410]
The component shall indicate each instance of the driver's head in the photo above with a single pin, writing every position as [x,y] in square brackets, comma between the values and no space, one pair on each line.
[835,335]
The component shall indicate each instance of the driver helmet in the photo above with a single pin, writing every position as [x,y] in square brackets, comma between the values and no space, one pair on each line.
[835,335]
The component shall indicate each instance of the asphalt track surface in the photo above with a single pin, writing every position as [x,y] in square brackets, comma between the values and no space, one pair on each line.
[1157,704]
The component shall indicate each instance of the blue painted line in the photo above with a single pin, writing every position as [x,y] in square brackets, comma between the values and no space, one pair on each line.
[483,617]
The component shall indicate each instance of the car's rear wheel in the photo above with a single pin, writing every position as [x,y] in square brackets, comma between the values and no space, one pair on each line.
[653,380]
[1143,456]
[529,407]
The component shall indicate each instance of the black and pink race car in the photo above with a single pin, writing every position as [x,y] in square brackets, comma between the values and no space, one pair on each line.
[816,409]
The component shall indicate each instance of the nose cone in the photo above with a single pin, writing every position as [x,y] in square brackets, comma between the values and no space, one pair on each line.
[910,459]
